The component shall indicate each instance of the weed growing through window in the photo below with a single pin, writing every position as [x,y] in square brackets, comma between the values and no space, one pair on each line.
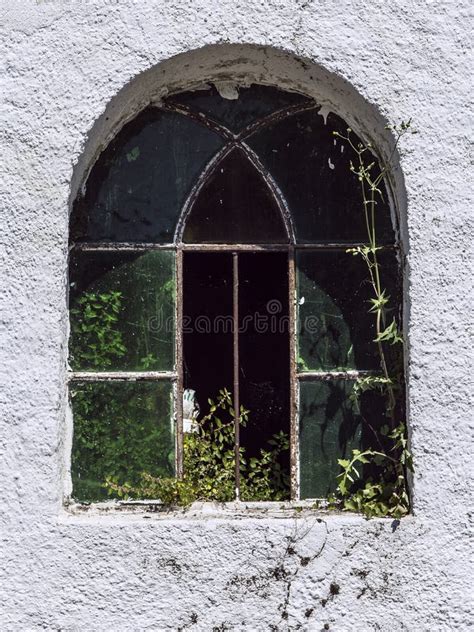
[209,465]
[374,482]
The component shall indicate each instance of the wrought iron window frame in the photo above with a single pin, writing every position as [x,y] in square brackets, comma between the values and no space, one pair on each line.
[232,141]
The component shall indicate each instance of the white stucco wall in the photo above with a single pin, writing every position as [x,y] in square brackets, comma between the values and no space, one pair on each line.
[62,65]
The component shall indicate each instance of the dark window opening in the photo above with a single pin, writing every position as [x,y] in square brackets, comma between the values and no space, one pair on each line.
[264,346]
[263,335]
[312,168]
[235,206]
[140,182]
[207,324]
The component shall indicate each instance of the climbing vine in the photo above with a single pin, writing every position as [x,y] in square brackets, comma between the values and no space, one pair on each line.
[374,481]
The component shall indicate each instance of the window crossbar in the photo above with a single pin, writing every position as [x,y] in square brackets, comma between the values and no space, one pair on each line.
[121,376]
[144,246]
[335,375]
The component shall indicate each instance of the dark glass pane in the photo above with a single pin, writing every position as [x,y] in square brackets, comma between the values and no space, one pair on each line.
[248,105]
[235,206]
[137,188]
[264,350]
[122,311]
[120,431]
[207,324]
[311,167]
[330,429]
[335,329]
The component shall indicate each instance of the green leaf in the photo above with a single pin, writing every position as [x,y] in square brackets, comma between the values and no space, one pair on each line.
[390,334]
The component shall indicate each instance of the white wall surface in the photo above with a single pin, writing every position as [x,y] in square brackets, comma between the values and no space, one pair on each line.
[70,73]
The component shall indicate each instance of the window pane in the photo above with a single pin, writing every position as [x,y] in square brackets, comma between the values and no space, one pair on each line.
[335,328]
[311,167]
[235,206]
[207,324]
[264,349]
[120,430]
[122,311]
[329,429]
[251,104]
[138,186]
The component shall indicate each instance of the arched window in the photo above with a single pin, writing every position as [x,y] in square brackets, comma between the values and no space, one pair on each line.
[209,251]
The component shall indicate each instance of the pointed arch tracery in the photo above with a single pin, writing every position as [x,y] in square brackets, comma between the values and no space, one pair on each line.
[273,153]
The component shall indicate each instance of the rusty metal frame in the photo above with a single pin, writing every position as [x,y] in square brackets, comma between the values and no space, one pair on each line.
[236,369]
[294,435]
[236,141]
[208,121]
[232,141]
[203,177]
[179,365]
[122,246]
[313,376]
[117,246]
[274,189]
[203,247]
[121,376]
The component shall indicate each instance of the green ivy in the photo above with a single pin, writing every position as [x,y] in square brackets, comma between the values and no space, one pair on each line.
[95,341]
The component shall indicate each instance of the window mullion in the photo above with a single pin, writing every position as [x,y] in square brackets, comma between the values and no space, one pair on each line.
[294,440]
[179,363]
[235,333]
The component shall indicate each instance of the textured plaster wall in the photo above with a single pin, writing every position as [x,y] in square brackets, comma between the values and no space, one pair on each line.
[70,72]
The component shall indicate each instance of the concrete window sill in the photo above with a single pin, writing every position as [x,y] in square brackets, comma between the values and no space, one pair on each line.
[146,510]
